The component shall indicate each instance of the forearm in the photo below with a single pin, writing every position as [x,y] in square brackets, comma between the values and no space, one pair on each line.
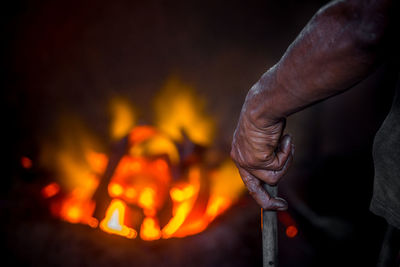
[340,46]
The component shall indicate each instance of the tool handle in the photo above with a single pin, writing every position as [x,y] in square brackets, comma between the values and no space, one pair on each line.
[270,232]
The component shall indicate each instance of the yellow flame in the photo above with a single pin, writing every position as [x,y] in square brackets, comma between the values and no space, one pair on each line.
[147,201]
[226,182]
[113,222]
[181,212]
[72,158]
[157,145]
[184,199]
[177,108]
[150,229]
[216,205]
[225,188]
[122,118]
[180,195]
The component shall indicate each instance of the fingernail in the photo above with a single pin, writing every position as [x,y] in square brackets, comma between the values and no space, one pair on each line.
[281,204]
[287,141]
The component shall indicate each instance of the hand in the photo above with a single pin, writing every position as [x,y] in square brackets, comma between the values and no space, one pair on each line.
[262,154]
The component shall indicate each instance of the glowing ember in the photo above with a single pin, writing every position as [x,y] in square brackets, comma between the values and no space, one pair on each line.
[50,190]
[26,162]
[287,220]
[159,168]
[180,195]
[113,222]
[130,193]
[147,198]
[115,190]
[150,229]
[291,231]
[76,209]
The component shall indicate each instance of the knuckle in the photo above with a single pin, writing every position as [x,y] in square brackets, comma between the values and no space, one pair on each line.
[256,160]
[246,161]
[268,159]
[277,165]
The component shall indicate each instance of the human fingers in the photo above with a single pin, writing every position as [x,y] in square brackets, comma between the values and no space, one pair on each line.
[281,154]
[272,177]
[259,194]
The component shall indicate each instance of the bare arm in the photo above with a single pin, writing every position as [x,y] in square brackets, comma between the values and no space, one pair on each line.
[339,47]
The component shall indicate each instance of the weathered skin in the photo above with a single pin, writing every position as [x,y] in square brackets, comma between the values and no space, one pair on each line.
[340,46]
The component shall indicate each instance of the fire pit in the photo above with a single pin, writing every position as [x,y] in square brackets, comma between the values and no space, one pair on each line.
[157,182]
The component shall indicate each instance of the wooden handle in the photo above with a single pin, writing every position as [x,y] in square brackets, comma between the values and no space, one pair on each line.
[270,232]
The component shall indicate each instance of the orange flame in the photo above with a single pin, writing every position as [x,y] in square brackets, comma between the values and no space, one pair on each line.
[97,161]
[77,208]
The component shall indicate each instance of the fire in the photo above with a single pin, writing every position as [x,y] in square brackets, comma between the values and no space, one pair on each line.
[113,222]
[147,198]
[97,161]
[181,212]
[216,206]
[115,190]
[130,193]
[122,118]
[76,208]
[150,229]
[180,195]
[178,108]
[162,171]
[50,190]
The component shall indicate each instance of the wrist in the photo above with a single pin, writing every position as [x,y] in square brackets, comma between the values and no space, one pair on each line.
[261,104]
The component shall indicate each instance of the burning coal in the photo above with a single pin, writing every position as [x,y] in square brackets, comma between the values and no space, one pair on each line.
[157,182]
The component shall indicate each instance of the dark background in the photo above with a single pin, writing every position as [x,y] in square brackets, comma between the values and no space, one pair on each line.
[73,56]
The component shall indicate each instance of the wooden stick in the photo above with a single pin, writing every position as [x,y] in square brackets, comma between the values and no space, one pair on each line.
[270,232]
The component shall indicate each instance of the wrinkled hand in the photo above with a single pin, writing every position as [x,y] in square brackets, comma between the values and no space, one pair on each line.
[262,154]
